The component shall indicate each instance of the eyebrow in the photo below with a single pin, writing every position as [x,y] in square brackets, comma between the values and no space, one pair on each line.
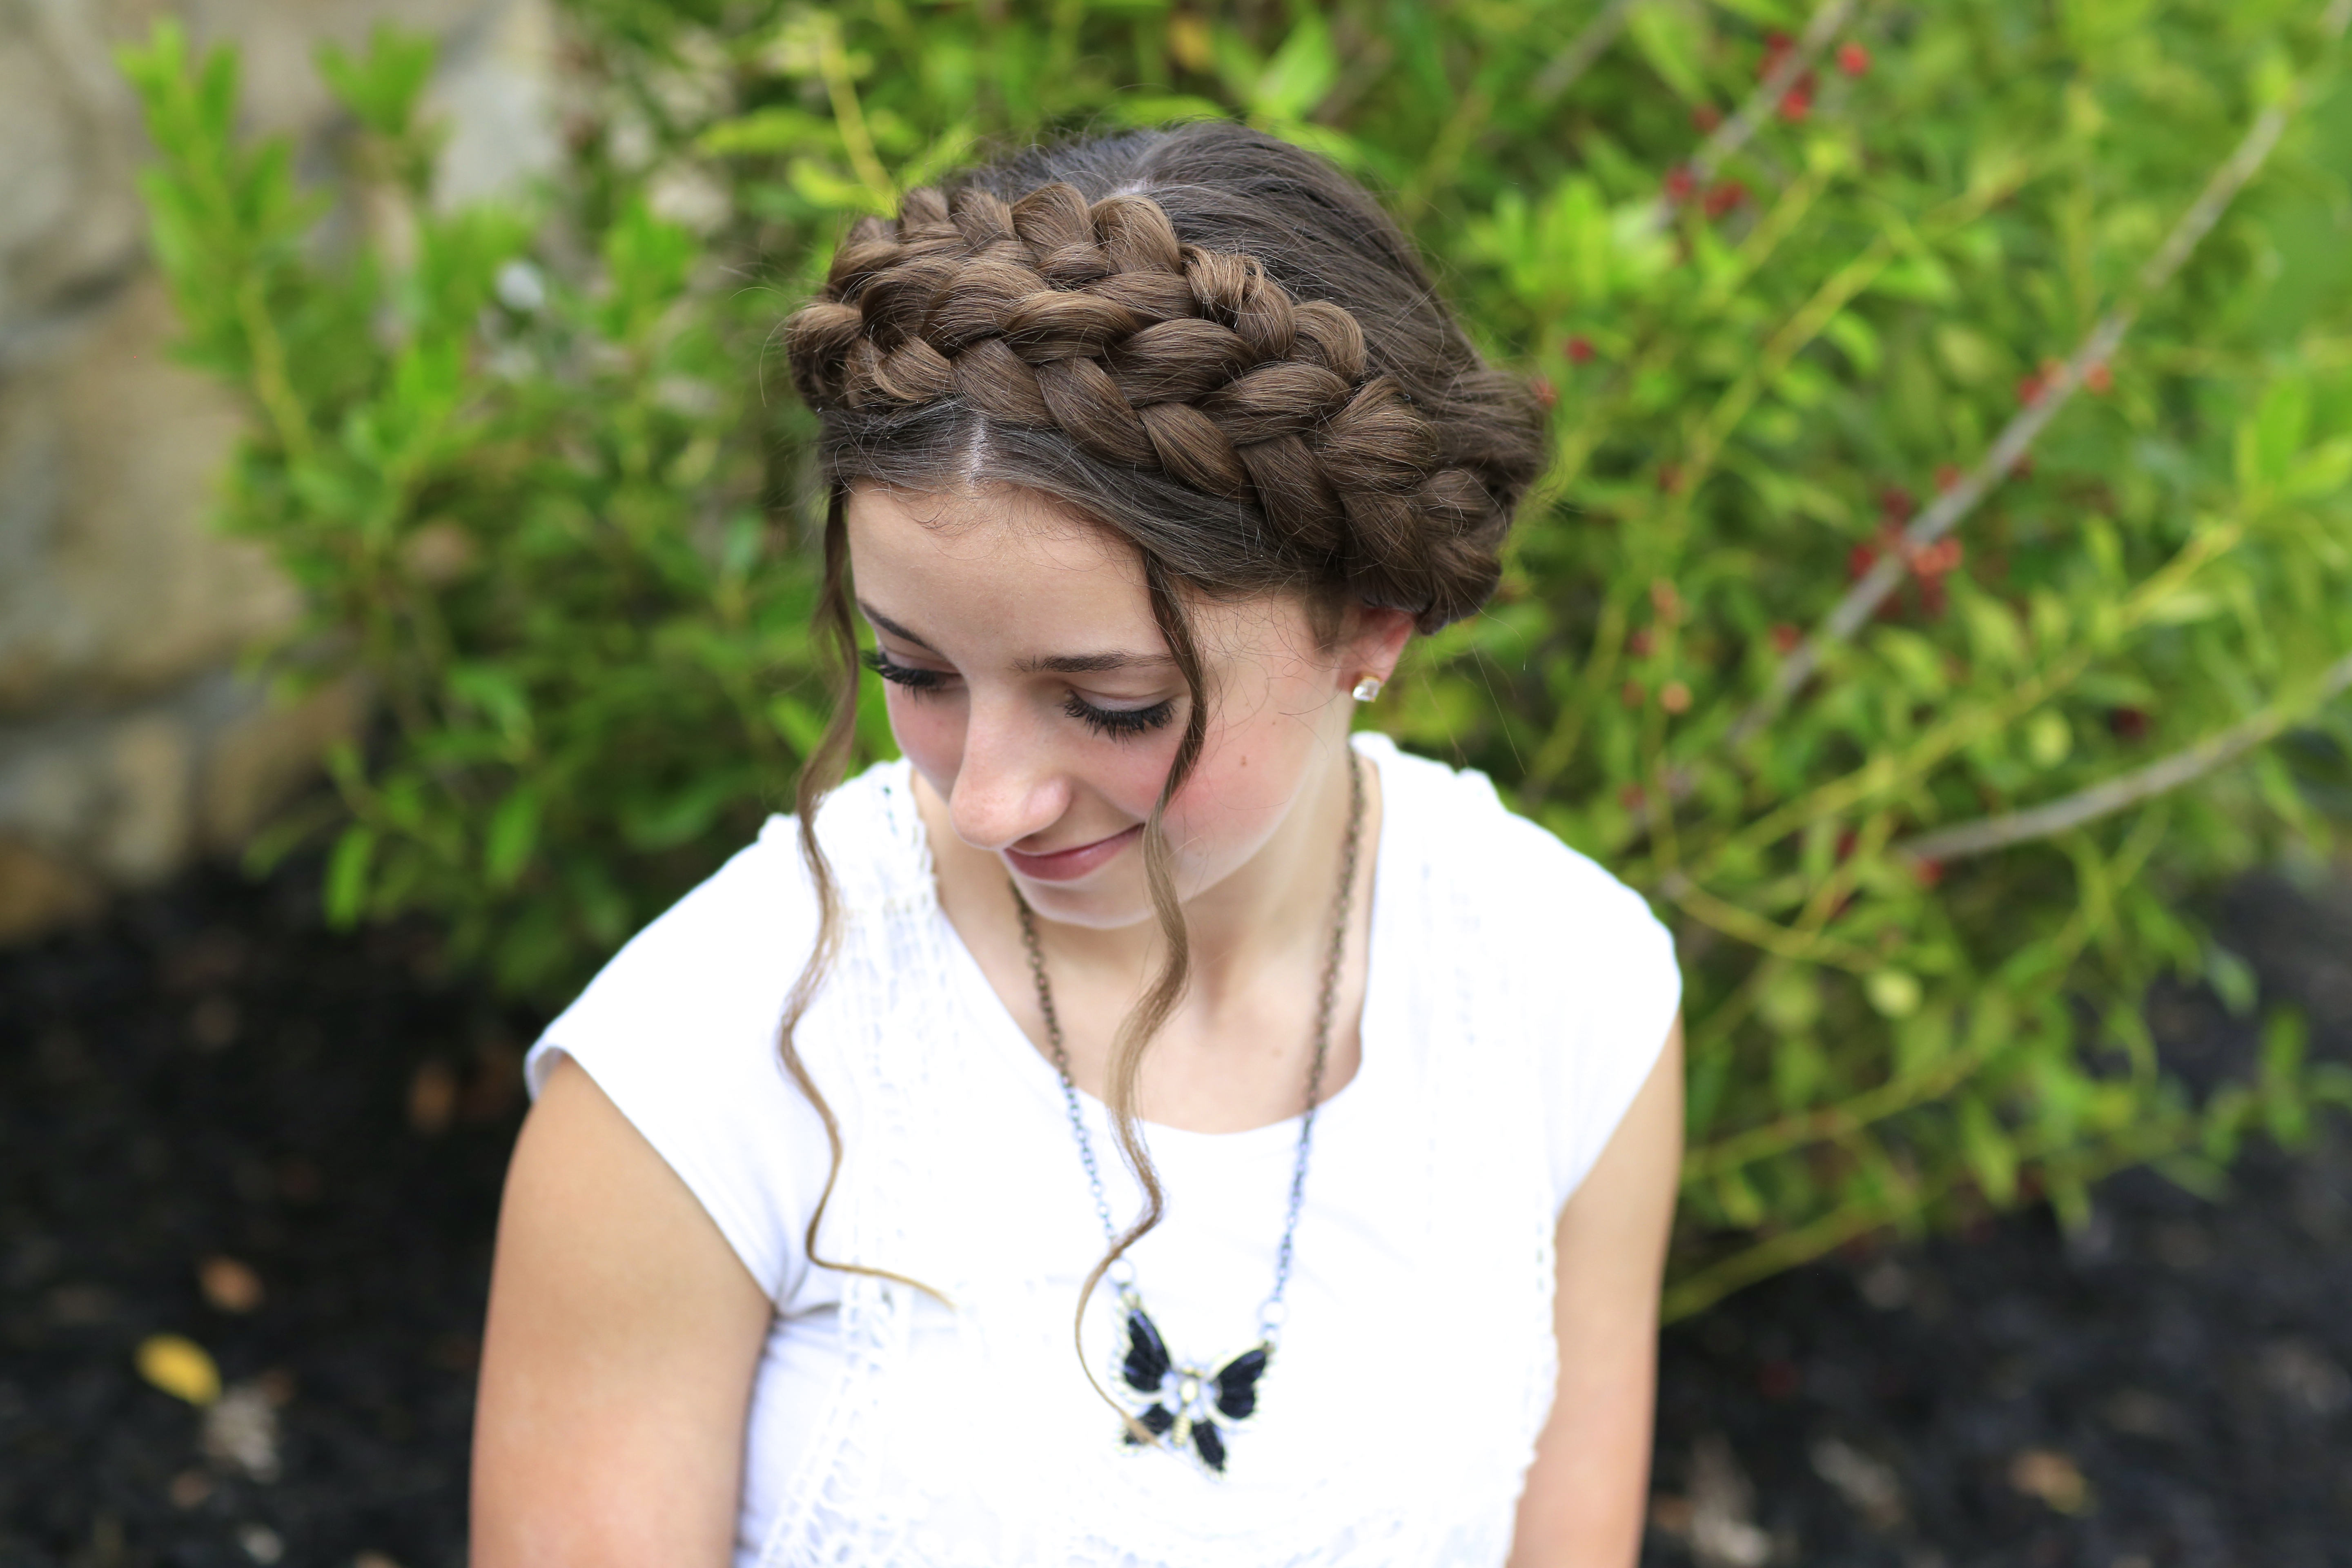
[893,628]
[1058,664]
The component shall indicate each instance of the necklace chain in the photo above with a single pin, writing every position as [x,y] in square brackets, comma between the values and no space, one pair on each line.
[1270,1315]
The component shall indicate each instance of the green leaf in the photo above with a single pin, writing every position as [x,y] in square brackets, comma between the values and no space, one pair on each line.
[1301,71]
[1985,1145]
[381,87]
[512,839]
[2232,979]
[2269,442]
[1672,40]
[776,127]
[2285,1113]
[348,864]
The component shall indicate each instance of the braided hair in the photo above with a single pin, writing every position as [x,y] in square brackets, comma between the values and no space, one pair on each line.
[1208,342]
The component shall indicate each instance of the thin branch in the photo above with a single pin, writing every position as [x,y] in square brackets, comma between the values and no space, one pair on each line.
[1746,925]
[1761,105]
[2184,766]
[1561,72]
[1862,599]
[832,65]
[1739,1149]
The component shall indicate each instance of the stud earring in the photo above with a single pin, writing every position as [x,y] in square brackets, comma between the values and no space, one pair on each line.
[1367,689]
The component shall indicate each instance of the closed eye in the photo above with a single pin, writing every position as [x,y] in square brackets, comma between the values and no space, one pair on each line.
[912,677]
[1119,723]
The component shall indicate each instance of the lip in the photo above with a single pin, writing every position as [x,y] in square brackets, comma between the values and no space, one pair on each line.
[1069,865]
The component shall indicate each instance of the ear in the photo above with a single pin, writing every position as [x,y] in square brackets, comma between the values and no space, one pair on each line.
[1371,643]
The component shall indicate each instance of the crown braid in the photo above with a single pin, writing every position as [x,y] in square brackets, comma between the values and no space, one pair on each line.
[1094,320]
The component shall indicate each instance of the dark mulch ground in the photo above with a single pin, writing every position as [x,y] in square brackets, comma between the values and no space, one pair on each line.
[210,1074]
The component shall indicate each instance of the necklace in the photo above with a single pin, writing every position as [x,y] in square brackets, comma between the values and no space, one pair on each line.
[1179,1401]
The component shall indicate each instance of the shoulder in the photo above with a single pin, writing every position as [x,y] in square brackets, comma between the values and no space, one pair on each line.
[1532,888]
[1565,959]
[680,1029]
[729,951]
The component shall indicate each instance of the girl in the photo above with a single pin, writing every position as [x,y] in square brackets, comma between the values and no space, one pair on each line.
[1148,1124]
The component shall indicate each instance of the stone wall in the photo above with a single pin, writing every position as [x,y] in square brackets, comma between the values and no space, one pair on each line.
[129,742]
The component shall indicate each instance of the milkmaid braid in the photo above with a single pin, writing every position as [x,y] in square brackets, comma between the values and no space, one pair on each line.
[1210,342]
[1096,320]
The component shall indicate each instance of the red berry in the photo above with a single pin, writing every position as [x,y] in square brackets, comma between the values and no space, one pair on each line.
[1776,49]
[1929,872]
[1706,118]
[1546,393]
[2127,723]
[1724,196]
[1931,561]
[1786,638]
[2030,387]
[1852,58]
[1631,796]
[1680,182]
[2099,379]
[1579,350]
[1641,642]
[1947,475]
[1796,103]
[1859,561]
[1895,505]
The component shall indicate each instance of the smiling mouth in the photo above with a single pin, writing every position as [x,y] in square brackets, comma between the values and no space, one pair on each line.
[1068,865]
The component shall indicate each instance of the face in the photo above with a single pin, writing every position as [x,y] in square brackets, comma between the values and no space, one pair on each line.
[1029,684]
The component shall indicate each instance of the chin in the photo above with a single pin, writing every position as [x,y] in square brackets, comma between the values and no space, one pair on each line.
[1118,900]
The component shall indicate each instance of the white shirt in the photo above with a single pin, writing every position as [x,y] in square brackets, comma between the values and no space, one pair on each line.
[1517,999]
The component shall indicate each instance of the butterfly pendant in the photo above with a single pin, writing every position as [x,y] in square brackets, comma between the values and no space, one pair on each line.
[1188,1404]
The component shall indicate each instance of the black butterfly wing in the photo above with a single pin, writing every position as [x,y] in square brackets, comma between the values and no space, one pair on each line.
[1156,1421]
[1211,1443]
[1237,1383]
[1147,1354]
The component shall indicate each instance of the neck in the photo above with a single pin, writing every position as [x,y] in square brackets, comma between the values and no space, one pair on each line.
[1278,906]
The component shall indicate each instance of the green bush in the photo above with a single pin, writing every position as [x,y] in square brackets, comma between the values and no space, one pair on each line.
[1945,574]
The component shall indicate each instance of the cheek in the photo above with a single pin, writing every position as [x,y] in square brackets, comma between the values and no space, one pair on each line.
[929,731]
[1248,775]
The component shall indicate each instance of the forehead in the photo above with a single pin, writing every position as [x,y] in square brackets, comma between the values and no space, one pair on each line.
[985,529]
[1023,574]
[1004,566]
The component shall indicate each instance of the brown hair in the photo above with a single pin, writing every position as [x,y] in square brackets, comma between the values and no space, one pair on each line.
[1208,342]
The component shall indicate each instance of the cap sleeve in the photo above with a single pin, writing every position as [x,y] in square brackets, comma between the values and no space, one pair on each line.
[679,1030]
[1606,991]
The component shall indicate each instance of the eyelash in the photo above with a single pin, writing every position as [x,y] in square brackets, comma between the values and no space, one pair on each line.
[1118,723]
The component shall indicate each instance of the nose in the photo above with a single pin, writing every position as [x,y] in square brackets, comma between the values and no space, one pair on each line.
[1008,783]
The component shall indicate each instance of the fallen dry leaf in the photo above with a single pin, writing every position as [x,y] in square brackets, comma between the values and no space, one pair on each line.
[229,1286]
[180,1368]
[432,1098]
[2052,1476]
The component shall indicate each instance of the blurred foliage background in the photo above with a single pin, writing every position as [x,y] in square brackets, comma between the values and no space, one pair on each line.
[1945,574]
